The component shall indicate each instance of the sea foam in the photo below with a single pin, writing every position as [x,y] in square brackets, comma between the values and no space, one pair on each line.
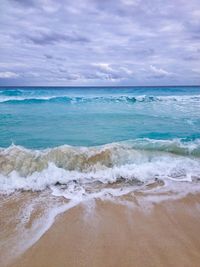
[83,170]
[28,99]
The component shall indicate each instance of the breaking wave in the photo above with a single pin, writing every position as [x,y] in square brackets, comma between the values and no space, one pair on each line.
[16,97]
[81,170]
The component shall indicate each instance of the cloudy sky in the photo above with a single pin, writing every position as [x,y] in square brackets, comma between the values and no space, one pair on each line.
[99,42]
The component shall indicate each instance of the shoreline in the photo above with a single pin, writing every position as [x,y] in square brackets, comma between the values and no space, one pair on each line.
[114,234]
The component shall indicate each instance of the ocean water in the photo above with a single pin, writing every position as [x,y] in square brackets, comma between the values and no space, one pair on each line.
[39,118]
[60,147]
[84,138]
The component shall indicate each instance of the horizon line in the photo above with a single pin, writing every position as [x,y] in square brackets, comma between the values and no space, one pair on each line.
[96,86]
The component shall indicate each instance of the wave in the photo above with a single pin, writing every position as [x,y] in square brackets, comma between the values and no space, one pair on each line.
[14,99]
[82,169]
[11,92]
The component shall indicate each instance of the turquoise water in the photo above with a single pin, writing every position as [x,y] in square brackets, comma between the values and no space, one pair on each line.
[75,145]
[82,142]
[49,117]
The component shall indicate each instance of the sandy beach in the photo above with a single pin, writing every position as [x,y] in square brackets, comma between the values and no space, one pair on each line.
[116,234]
[99,133]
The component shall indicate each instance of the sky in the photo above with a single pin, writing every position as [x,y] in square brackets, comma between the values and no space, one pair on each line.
[99,42]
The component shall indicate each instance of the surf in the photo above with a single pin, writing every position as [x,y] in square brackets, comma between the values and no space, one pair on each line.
[128,163]
[17,99]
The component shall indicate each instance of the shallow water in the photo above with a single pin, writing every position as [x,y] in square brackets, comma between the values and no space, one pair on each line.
[77,137]
[60,147]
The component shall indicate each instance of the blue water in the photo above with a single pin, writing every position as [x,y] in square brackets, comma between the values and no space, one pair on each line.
[41,117]
[83,144]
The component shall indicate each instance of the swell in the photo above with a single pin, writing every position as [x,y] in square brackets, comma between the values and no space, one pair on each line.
[11,92]
[133,162]
[15,99]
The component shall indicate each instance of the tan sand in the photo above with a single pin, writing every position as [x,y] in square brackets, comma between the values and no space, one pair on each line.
[113,235]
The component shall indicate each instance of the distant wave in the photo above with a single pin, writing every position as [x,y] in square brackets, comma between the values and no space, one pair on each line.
[15,99]
[8,92]
[132,162]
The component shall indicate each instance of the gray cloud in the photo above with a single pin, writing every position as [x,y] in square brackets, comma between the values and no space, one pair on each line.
[125,42]
[26,3]
[53,38]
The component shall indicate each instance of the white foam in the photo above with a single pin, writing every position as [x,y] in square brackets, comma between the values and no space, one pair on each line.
[177,172]
[164,167]
[24,237]
[116,99]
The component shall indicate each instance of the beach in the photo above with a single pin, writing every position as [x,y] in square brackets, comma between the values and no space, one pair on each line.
[117,233]
[103,177]
[99,133]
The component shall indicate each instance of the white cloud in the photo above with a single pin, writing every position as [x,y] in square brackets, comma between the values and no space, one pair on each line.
[126,70]
[8,74]
[196,71]
[131,2]
[159,72]
[103,66]
[196,13]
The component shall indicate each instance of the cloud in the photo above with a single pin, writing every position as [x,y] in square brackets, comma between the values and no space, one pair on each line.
[111,72]
[53,38]
[128,42]
[26,3]
[8,74]
[104,67]
[159,73]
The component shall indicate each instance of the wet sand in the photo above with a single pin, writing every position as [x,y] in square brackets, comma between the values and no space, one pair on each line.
[110,234]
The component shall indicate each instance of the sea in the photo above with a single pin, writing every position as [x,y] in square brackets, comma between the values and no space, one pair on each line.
[62,146]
